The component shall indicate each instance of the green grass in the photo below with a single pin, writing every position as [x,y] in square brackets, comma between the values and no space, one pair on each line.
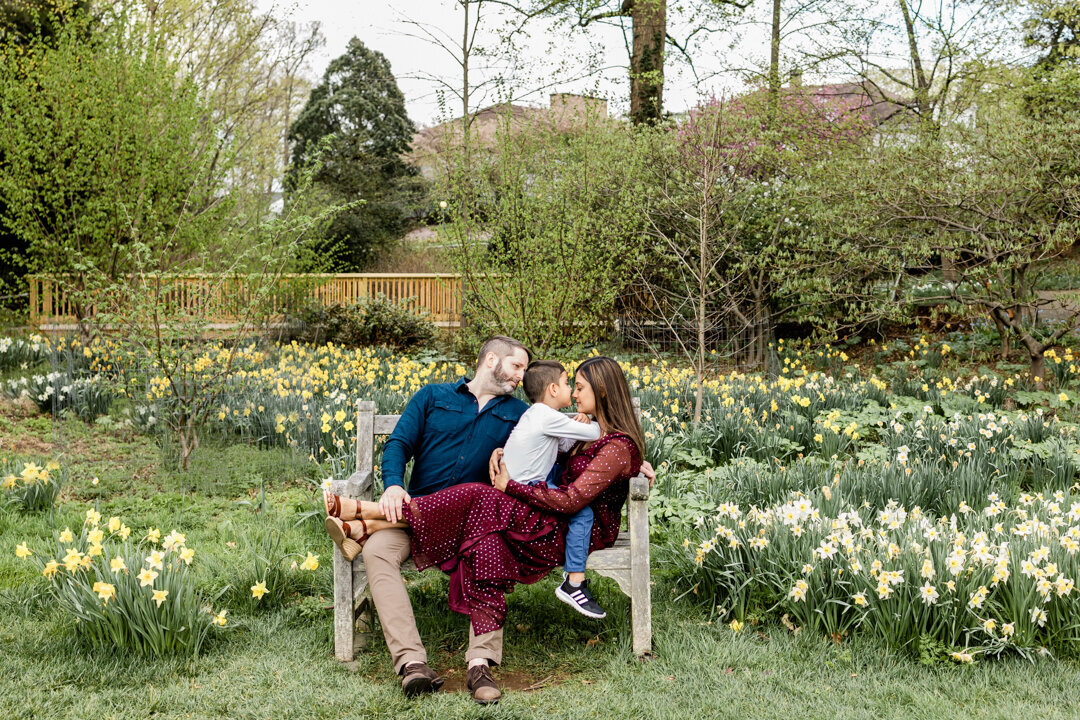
[276,658]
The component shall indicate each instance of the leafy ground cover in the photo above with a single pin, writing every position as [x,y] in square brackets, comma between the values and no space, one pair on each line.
[248,509]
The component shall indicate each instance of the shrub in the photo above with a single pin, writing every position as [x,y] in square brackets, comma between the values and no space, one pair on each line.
[31,486]
[156,610]
[371,321]
[89,397]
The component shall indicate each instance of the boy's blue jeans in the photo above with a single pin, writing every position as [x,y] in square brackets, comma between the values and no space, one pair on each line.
[578,533]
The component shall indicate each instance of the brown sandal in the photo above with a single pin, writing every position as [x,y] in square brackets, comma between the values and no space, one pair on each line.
[337,506]
[340,533]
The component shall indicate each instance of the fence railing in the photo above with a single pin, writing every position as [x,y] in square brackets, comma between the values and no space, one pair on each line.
[220,300]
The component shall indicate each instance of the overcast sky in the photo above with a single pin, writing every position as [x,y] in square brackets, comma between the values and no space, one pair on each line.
[382,25]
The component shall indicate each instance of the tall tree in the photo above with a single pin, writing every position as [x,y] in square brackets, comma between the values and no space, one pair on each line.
[646,26]
[925,60]
[1053,28]
[354,127]
[106,145]
[23,24]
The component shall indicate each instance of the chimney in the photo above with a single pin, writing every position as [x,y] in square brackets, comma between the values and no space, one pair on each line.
[571,107]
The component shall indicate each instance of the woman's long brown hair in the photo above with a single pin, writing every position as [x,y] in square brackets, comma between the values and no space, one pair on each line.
[614,408]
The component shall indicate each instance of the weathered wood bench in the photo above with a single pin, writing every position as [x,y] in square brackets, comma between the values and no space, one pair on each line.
[627,562]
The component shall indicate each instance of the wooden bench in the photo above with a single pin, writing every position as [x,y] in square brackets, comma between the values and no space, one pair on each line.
[627,562]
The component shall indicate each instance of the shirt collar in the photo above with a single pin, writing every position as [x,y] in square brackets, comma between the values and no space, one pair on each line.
[462,387]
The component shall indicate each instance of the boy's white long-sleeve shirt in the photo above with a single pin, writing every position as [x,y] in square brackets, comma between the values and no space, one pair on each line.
[540,434]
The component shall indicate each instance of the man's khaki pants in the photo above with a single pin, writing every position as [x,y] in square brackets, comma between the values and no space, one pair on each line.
[384,552]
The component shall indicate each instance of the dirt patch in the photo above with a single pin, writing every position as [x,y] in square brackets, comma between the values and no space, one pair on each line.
[17,409]
[26,445]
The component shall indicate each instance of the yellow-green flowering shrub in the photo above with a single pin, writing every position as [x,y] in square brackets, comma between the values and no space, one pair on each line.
[127,593]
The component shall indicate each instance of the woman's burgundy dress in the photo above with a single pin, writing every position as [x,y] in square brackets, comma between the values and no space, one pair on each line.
[487,540]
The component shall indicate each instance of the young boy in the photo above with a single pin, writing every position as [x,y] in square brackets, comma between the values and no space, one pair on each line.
[540,435]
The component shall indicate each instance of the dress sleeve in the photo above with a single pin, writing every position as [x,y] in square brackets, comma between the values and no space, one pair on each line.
[614,460]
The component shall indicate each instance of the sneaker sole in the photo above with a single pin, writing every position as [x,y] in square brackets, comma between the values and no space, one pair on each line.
[572,603]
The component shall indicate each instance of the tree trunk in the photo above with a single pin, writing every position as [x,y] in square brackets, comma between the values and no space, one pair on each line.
[922,86]
[1003,331]
[189,441]
[1038,368]
[649,22]
[774,65]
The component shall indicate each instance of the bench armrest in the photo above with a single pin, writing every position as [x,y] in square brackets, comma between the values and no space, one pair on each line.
[639,487]
[359,486]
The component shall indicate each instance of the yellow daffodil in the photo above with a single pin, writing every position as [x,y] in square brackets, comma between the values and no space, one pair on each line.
[66,536]
[259,589]
[22,552]
[219,619]
[153,535]
[311,562]
[105,591]
[159,596]
[93,517]
[117,564]
[50,568]
[186,554]
[146,577]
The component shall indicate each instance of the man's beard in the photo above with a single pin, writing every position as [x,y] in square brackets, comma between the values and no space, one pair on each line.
[501,380]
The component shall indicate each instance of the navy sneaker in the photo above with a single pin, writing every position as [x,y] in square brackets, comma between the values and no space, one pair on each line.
[579,598]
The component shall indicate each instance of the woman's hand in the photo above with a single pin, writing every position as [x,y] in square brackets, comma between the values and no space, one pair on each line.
[648,471]
[502,478]
[493,463]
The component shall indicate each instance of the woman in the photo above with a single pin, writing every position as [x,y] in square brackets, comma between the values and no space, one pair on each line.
[489,538]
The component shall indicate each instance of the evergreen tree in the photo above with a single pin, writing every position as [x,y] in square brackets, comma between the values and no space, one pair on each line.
[356,126]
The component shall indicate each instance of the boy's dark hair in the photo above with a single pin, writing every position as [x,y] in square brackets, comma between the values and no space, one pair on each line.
[539,375]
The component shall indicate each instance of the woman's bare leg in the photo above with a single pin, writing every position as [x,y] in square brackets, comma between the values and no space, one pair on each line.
[357,530]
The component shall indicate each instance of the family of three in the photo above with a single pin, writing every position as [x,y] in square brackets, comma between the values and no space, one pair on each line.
[487,503]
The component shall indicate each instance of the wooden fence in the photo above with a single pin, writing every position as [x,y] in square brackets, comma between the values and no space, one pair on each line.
[221,300]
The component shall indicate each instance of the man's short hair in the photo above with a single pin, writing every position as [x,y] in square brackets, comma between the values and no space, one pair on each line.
[539,376]
[502,346]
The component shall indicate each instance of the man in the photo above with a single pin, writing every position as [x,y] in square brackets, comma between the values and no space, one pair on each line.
[449,430]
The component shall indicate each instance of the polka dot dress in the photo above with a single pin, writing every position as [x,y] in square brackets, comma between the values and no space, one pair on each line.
[487,540]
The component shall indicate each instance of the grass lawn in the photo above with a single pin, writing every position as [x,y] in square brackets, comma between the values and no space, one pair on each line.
[275,659]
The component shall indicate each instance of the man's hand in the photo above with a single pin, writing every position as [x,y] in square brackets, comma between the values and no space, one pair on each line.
[647,471]
[391,501]
[502,478]
[493,463]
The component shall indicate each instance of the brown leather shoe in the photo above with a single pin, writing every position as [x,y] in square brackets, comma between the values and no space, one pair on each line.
[417,678]
[480,681]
